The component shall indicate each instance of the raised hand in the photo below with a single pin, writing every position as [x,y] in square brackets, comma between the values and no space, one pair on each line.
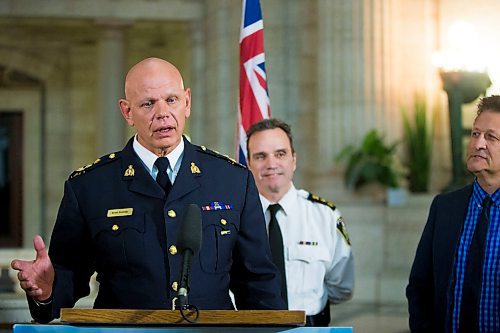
[36,276]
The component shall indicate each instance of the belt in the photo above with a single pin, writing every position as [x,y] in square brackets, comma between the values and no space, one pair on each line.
[321,319]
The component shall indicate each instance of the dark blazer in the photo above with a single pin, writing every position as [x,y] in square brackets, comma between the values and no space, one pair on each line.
[115,219]
[431,273]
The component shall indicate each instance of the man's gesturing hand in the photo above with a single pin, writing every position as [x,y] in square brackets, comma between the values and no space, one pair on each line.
[36,276]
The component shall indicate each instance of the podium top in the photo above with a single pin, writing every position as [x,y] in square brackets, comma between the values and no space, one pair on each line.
[174,317]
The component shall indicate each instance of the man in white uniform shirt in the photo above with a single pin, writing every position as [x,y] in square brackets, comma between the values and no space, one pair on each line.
[318,262]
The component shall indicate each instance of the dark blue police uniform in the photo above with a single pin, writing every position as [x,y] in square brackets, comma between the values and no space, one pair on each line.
[115,219]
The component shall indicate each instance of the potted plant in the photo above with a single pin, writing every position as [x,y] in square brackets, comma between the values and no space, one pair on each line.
[373,161]
[418,136]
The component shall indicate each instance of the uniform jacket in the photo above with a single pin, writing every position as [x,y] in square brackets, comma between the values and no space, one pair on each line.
[115,219]
[431,273]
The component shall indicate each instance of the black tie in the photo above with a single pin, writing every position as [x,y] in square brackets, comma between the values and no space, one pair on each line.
[276,243]
[162,177]
[471,291]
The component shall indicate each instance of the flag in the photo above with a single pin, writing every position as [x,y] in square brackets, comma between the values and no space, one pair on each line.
[253,97]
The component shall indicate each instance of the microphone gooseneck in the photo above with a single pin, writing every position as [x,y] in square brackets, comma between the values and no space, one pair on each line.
[188,244]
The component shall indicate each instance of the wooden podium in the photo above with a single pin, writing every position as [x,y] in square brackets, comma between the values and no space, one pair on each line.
[174,317]
[168,321]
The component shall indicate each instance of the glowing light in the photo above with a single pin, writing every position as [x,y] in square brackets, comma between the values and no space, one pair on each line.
[462,50]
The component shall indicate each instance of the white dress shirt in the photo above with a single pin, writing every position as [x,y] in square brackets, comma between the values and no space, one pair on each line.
[318,258]
[148,158]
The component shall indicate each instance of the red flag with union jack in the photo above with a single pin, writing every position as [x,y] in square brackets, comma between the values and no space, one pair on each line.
[254,98]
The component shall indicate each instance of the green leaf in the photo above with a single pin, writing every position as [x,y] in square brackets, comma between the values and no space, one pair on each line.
[372,161]
[418,136]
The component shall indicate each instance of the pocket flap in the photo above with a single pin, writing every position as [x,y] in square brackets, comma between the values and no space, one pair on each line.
[117,225]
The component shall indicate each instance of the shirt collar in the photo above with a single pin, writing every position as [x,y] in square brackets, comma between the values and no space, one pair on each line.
[149,158]
[287,202]
[478,194]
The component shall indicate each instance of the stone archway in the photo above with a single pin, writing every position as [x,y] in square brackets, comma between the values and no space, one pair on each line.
[25,82]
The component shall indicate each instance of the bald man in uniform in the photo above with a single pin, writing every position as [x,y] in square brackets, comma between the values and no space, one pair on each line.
[115,219]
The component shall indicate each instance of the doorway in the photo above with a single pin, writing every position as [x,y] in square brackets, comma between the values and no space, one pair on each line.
[11,182]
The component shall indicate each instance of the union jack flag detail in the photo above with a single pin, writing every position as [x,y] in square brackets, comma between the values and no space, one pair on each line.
[254,99]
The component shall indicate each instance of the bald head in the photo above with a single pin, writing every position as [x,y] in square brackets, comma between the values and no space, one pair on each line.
[146,72]
[156,104]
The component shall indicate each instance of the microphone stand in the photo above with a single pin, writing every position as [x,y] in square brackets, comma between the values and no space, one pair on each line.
[181,302]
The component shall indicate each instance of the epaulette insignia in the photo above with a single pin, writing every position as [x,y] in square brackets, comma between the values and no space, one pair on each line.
[100,161]
[219,155]
[315,198]
[343,230]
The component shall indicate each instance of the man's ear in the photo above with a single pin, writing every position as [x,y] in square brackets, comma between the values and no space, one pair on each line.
[126,111]
[188,103]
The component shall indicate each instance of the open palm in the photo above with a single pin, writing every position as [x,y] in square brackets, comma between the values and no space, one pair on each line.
[36,276]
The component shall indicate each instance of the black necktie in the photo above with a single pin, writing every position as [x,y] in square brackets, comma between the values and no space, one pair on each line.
[471,290]
[162,177]
[276,243]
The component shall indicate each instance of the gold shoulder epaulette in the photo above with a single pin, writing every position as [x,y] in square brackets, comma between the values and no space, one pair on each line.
[100,161]
[315,198]
[205,150]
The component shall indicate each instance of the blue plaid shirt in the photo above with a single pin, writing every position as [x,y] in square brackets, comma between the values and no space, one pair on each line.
[490,286]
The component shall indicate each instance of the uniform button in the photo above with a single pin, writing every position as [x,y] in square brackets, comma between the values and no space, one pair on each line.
[174,286]
[172,249]
[115,227]
[223,221]
[171,213]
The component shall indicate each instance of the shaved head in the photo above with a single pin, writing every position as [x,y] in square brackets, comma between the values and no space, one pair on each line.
[146,68]
[156,104]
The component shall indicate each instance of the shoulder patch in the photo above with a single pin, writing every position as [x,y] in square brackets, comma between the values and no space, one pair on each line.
[343,230]
[205,150]
[100,161]
[315,198]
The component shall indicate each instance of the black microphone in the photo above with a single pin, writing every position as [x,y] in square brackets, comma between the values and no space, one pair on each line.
[188,244]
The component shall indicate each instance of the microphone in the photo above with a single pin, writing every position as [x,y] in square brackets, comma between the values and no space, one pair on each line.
[188,244]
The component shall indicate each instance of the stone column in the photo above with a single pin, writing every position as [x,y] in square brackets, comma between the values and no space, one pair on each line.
[355,85]
[327,126]
[341,76]
[110,87]
[197,129]
[220,106]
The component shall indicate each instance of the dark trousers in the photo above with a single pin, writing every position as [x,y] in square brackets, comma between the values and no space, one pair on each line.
[322,319]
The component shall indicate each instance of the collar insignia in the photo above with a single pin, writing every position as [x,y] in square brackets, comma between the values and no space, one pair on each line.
[130,172]
[194,168]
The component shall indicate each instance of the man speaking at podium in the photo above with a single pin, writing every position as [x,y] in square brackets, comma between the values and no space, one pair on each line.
[119,217]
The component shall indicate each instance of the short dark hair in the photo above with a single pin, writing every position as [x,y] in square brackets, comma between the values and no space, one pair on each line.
[490,103]
[269,124]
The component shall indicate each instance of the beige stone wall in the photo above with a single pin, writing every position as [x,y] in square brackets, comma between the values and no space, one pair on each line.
[65,59]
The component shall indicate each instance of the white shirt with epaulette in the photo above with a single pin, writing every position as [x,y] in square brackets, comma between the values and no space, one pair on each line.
[318,258]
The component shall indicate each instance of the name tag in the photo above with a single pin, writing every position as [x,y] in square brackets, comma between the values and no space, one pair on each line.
[120,212]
